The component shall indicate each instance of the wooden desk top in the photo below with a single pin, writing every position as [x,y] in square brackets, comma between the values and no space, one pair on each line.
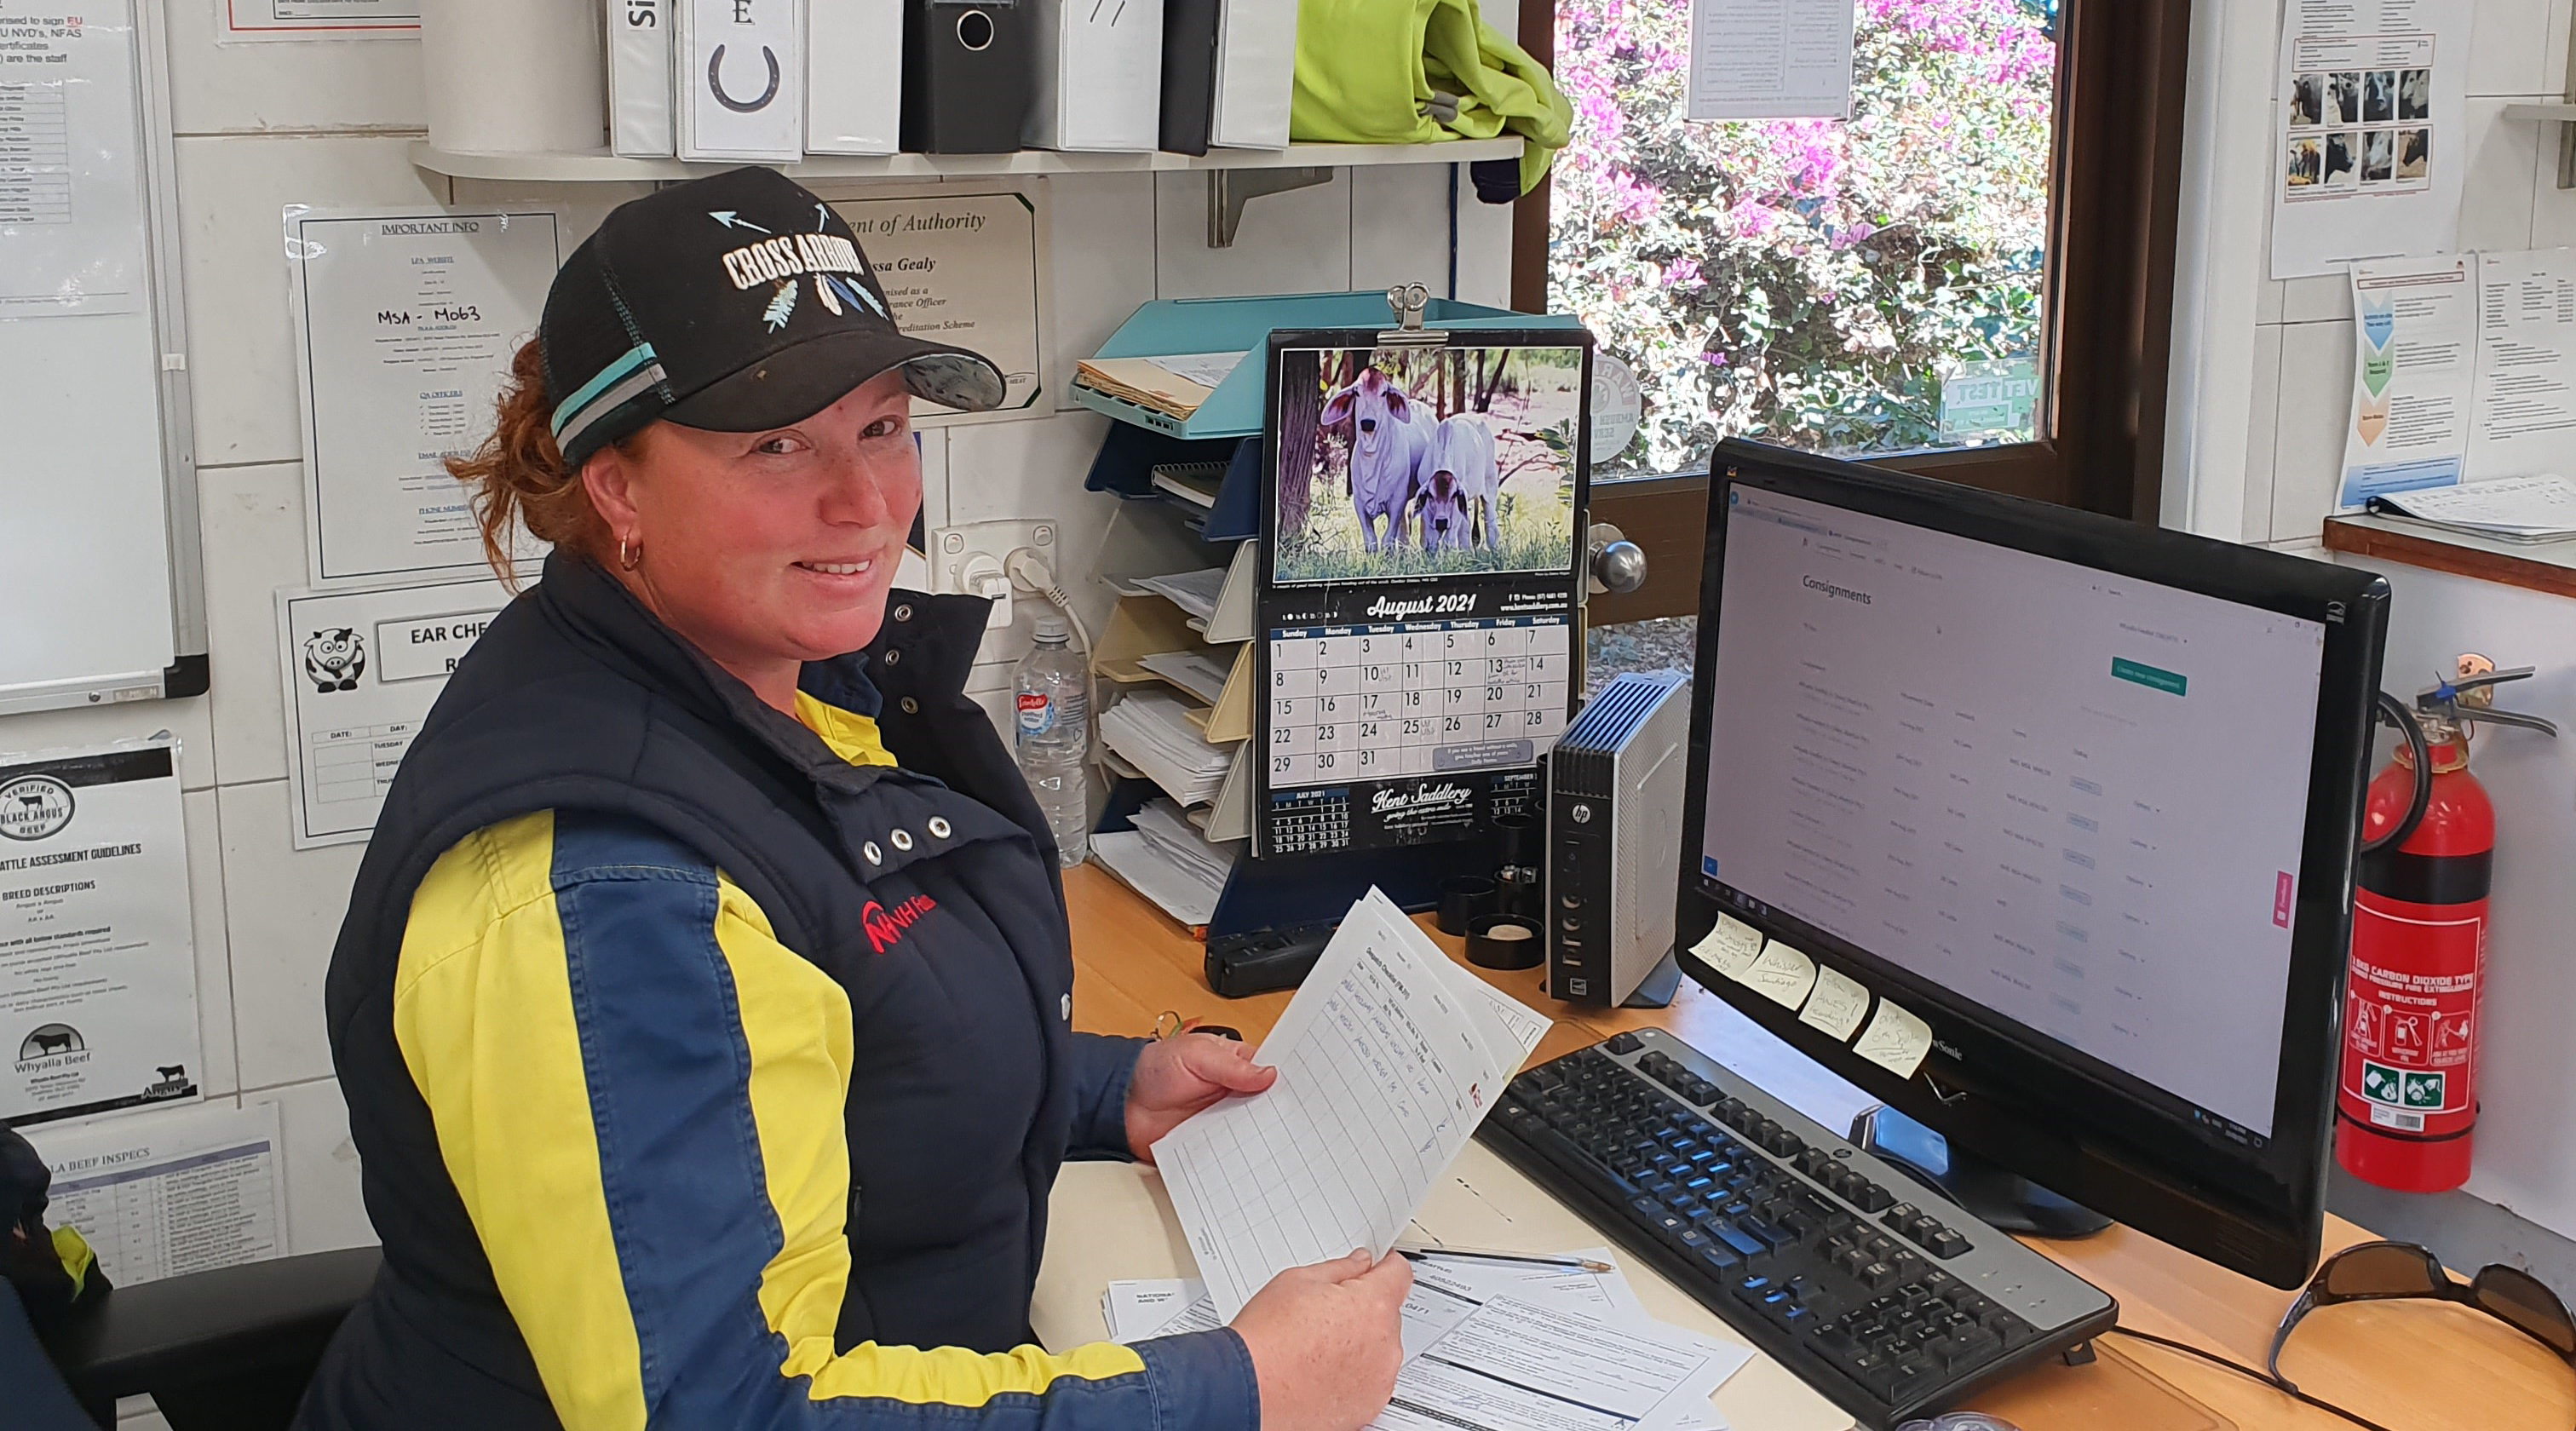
[2411,1366]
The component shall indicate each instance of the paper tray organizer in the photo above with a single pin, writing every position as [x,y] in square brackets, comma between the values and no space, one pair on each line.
[1168,326]
[1154,533]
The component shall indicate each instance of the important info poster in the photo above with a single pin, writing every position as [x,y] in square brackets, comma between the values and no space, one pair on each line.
[98,976]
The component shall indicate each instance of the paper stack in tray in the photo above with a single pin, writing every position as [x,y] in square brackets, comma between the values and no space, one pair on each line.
[1174,385]
[1169,861]
[1511,1345]
[1154,732]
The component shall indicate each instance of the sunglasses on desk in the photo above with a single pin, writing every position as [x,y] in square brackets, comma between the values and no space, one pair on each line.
[2378,1271]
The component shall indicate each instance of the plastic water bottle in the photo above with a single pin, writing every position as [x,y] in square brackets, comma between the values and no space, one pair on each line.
[1054,735]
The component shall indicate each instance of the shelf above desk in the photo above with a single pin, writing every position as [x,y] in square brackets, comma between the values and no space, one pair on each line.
[2548,567]
[599,166]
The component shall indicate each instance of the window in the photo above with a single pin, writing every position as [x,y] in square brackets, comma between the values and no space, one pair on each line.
[1971,277]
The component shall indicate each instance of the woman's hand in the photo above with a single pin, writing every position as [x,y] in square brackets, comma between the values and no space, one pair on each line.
[1326,1342]
[1176,1077]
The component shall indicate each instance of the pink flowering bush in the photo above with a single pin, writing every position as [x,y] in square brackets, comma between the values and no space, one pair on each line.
[1805,281]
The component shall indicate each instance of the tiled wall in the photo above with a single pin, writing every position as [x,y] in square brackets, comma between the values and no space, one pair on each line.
[2302,330]
[262,126]
[2301,340]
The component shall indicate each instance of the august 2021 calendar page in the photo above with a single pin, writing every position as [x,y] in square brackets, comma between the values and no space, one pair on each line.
[1420,612]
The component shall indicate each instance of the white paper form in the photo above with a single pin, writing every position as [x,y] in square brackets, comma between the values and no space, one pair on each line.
[361,670]
[2373,144]
[71,196]
[1387,1062]
[405,326]
[98,978]
[163,1195]
[2414,377]
[1157,1307]
[1446,1291]
[1771,59]
[1513,1365]
[2526,406]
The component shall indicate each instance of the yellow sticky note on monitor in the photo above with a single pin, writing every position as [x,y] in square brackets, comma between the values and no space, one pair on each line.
[1895,1040]
[1781,974]
[1838,1004]
[1731,947]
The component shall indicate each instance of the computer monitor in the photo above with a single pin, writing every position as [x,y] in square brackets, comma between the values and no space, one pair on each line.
[2082,795]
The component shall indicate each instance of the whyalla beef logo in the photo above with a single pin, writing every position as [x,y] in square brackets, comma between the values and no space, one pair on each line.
[885,926]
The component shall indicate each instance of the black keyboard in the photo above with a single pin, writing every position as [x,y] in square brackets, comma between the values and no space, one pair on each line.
[1886,1298]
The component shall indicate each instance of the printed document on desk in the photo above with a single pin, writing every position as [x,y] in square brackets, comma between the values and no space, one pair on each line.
[1514,1365]
[1388,1058]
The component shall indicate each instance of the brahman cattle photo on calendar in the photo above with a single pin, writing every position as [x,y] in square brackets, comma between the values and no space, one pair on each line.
[1426,462]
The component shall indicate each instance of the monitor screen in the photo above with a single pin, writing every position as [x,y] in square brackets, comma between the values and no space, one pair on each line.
[2073,802]
[2078,799]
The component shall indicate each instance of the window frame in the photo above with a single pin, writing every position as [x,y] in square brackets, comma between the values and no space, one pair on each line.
[2115,182]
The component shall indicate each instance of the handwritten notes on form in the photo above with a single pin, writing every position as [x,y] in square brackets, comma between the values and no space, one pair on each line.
[1388,1058]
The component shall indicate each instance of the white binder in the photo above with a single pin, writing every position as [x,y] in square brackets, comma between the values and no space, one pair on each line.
[741,80]
[640,125]
[853,76]
[1256,66]
[1099,72]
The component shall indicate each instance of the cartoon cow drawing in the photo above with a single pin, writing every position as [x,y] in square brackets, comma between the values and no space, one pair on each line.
[1458,480]
[1390,432]
[333,660]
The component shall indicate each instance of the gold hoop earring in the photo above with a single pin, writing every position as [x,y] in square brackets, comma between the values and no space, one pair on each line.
[628,560]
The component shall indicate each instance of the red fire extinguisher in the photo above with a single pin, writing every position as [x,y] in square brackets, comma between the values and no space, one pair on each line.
[2408,1096]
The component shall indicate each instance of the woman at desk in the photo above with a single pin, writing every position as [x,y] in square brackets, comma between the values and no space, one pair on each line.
[703,1006]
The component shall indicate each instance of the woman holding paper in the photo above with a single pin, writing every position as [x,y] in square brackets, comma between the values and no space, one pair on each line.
[703,1004]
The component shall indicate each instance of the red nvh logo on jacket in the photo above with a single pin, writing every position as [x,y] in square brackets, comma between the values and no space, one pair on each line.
[885,926]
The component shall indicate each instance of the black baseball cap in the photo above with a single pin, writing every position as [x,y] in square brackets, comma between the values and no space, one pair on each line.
[735,303]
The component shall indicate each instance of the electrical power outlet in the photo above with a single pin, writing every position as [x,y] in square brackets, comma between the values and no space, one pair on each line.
[969,559]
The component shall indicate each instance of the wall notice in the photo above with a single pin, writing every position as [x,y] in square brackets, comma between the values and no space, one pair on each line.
[965,268]
[319,19]
[2372,146]
[98,973]
[362,669]
[169,1194]
[71,192]
[405,325]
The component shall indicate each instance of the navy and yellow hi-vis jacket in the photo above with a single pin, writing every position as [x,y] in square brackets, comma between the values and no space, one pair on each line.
[711,1068]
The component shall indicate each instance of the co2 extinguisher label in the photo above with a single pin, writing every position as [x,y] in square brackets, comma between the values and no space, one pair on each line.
[2411,1035]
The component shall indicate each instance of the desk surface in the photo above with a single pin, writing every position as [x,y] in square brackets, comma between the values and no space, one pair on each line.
[2412,1366]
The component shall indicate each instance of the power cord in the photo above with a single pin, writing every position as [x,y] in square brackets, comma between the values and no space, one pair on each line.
[2241,1369]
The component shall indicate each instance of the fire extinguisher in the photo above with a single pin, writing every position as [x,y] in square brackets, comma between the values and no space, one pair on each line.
[2408,1092]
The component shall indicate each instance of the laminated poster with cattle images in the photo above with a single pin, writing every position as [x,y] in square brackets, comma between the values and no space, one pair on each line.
[1421,606]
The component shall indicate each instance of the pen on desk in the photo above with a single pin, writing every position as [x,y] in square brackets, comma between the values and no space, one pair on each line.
[1579,1264]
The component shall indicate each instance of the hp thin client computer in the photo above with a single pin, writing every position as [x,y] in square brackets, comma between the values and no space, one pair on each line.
[2038,826]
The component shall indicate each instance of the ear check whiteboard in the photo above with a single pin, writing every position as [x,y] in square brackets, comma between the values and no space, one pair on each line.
[100,596]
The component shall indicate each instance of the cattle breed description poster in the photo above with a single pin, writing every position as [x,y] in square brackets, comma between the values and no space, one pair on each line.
[1421,641]
[98,972]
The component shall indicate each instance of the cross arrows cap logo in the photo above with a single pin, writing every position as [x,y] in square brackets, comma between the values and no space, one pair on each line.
[731,218]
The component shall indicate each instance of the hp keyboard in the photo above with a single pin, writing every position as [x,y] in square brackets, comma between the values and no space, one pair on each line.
[1881,1295]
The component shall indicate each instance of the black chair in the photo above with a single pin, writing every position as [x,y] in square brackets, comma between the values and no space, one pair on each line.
[229,1350]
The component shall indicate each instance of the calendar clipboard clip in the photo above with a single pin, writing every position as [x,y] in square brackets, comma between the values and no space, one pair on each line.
[1410,301]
